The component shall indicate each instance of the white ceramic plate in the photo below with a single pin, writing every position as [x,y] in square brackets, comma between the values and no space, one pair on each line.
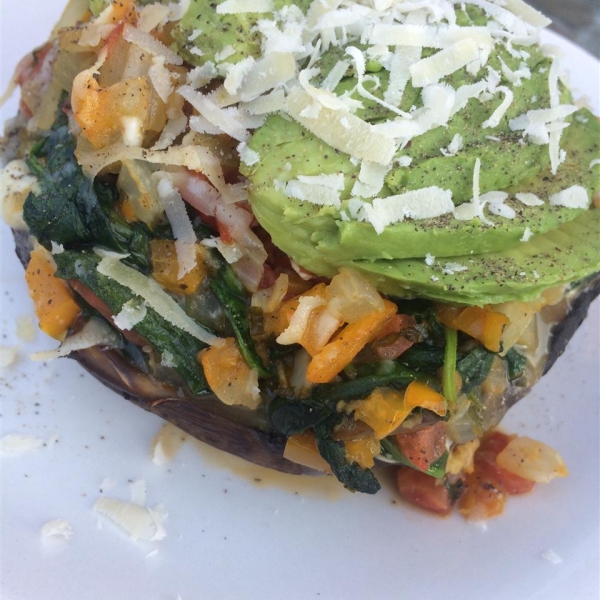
[230,536]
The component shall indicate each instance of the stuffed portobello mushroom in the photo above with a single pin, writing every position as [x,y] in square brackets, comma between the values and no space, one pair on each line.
[323,236]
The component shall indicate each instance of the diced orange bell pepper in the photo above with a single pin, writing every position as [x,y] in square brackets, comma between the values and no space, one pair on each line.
[101,112]
[338,353]
[55,305]
[420,394]
[165,268]
[482,324]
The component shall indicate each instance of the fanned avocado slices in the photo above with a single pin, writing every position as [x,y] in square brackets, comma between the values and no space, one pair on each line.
[499,266]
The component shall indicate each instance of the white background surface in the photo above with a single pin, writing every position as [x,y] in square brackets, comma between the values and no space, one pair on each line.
[231,537]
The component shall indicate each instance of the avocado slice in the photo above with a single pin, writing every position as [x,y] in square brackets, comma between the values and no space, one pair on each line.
[334,240]
[220,31]
[563,255]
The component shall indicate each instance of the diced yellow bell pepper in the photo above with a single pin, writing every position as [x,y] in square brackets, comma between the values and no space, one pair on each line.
[363,451]
[421,395]
[383,411]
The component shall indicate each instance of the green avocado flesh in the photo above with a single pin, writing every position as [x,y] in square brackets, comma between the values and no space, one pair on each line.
[495,257]
[499,266]
[219,31]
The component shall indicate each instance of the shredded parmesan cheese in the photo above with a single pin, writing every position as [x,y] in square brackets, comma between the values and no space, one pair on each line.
[445,62]
[370,180]
[527,235]
[156,298]
[247,155]
[166,444]
[59,528]
[223,119]
[95,332]
[237,73]
[428,36]
[160,77]
[360,140]
[16,444]
[132,313]
[140,522]
[8,356]
[16,181]
[183,230]
[151,45]
[269,72]
[450,268]
[323,190]
[529,199]
[232,7]
[426,203]
[573,197]
[497,115]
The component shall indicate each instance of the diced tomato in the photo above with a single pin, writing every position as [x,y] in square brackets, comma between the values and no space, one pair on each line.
[482,499]
[33,73]
[485,463]
[494,443]
[397,324]
[224,233]
[486,488]
[423,491]
[391,343]
[268,279]
[392,347]
[510,483]
[424,444]
[278,262]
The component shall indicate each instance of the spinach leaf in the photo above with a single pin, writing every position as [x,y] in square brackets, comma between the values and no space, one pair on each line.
[448,380]
[474,368]
[436,469]
[290,416]
[423,357]
[295,415]
[351,474]
[73,210]
[516,364]
[164,336]
[237,312]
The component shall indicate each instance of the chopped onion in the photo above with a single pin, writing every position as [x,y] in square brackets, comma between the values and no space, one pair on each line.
[269,299]
[532,460]
[352,297]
